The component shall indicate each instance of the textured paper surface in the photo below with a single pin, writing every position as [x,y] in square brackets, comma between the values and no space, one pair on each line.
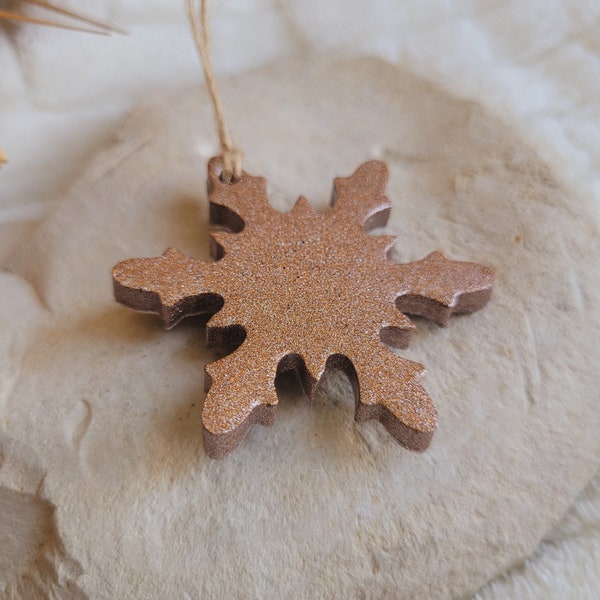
[100,407]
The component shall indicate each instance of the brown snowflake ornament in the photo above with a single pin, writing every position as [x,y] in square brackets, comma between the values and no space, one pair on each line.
[305,291]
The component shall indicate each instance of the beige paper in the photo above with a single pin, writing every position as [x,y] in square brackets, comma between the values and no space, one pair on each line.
[102,457]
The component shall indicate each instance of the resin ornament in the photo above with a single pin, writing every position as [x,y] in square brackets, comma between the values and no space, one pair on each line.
[305,291]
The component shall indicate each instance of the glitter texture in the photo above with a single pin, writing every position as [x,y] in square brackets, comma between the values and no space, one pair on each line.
[305,291]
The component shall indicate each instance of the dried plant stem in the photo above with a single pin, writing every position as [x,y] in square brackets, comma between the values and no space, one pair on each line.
[92,26]
[73,15]
[9,16]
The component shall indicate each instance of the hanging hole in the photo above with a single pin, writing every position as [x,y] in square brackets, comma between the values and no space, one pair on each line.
[228,178]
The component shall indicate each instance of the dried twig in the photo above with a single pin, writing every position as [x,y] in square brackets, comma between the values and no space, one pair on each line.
[94,26]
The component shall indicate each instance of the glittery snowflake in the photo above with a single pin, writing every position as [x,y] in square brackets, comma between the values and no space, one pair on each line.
[305,291]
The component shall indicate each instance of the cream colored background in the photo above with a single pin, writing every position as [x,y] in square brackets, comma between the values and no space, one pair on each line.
[536,65]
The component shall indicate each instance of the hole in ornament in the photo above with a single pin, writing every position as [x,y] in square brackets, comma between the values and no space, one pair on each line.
[228,178]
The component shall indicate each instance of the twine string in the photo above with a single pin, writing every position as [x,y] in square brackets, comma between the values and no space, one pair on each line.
[231,154]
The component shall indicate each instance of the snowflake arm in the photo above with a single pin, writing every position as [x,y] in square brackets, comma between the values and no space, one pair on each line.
[233,404]
[388,388]
[436,287]
[172,286]
[236,205]
[361,197]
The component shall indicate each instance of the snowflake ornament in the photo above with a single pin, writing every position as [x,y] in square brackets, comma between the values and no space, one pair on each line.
[305,291]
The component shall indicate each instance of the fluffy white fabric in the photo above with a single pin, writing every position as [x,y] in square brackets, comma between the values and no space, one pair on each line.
[536,65]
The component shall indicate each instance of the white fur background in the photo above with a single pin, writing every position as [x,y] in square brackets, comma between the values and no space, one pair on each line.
[533,63]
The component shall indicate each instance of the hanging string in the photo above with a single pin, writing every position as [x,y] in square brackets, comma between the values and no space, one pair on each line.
[231,154]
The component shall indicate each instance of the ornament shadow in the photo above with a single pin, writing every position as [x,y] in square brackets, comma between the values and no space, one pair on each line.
[325,426]
[150,387]
[171,438]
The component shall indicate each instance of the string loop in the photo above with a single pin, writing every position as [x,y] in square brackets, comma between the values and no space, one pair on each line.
[231,154]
